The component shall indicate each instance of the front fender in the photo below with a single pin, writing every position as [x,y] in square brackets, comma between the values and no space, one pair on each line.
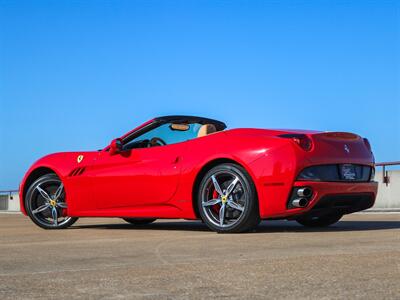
[59,163]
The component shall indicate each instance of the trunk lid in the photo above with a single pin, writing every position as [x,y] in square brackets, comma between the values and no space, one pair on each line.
[340,147]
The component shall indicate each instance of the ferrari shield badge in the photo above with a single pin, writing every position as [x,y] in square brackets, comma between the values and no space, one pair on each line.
[79,158]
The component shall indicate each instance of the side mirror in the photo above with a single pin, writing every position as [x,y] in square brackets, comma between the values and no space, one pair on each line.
[115,146]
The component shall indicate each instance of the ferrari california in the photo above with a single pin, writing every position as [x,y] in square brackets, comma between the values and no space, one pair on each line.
[192,168]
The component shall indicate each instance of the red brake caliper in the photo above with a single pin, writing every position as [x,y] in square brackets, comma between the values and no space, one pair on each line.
[215,207]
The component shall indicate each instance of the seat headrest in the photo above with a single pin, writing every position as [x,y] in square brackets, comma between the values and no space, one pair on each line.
[206,129]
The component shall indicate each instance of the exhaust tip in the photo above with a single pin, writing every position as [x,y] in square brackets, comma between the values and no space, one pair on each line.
[300,202]
[304,192]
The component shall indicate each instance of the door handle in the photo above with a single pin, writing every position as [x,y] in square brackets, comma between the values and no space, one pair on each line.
[176,160]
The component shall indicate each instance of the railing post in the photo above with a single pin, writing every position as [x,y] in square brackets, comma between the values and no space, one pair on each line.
[385,173]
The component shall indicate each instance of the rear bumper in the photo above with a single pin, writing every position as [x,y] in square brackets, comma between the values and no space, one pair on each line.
[338,197]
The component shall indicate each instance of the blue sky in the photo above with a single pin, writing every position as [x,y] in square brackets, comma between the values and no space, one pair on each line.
[75,74]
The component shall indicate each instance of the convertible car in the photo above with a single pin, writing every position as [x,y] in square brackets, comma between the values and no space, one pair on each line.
[192,168]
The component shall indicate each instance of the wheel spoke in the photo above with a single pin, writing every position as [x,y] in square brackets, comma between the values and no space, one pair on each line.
[216,185]
[59,192]
[224,199]
[222,215]
[235,205]
[41,208]
[231,186]
[211,202]
[43,193]
[54,214]
[62,204]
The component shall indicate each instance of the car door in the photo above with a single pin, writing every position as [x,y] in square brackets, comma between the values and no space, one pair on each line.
[146,172]
[137,177]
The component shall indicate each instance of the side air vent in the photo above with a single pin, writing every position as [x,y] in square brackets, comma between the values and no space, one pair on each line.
[77,172]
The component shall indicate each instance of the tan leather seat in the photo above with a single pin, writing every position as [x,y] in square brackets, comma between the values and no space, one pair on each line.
[206,129]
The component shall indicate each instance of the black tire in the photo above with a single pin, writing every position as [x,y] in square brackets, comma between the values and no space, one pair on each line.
[243,196]
[138,221]
[322,221]
[49,183]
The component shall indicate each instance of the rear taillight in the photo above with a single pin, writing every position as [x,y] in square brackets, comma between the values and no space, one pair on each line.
[366,142]
[302,140]
[372,176]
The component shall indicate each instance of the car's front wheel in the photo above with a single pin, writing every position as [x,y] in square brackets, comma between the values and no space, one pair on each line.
[227,199]
[322,221]
[45,203]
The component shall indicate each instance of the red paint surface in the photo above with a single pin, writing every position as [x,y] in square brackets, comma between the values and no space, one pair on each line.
[159,182]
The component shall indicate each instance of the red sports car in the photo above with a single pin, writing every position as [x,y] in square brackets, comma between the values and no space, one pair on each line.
[192,168]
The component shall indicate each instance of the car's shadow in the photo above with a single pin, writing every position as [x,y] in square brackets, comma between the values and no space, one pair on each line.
[265,226]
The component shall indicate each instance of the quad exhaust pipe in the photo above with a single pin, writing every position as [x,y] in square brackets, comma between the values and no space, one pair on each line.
[304,192]
[304,195]
[300,202]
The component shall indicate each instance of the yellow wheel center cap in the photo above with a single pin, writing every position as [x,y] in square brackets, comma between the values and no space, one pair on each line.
[52,203]
[224,199]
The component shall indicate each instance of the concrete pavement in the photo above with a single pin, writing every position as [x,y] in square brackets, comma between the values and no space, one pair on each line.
[110,259]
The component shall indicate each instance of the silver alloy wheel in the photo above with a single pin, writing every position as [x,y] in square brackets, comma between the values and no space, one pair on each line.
[48,202]
[224,199]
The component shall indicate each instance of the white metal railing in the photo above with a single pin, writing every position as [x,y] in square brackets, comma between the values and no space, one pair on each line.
[385,173]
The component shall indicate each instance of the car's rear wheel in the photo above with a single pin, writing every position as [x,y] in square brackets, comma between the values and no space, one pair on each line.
[139,221]
[322,221]
[45,203]
[227,199]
